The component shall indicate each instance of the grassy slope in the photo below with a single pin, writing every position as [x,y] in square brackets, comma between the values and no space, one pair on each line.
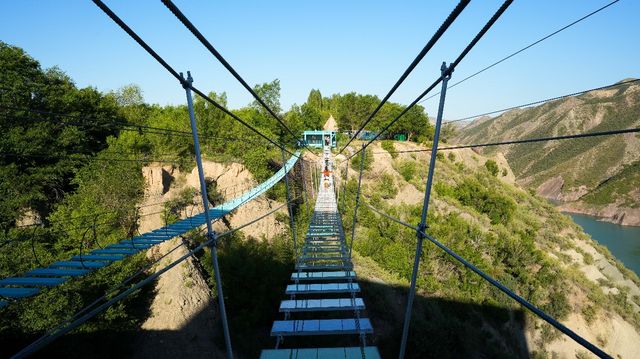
[529,252]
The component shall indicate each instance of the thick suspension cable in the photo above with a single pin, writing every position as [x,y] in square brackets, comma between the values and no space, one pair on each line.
[524,48]
[194,30]
[504,289]
[543,139]
[87,157]
[116,124]
[527,140]
[450,69]
[178,76]
[436,36]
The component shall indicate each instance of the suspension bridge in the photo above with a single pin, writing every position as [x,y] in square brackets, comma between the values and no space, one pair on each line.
[323,271]
[324,297]
[32,282]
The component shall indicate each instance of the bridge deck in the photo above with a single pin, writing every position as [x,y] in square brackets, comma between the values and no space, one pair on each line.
[323,268]
[322,353]
[322,288]
[315,305]
[320,327]
[322,275]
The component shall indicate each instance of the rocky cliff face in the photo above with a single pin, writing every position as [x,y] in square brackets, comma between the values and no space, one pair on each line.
[182,322]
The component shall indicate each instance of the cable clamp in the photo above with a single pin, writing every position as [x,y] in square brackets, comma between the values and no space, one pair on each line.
[421,229]
[211,236]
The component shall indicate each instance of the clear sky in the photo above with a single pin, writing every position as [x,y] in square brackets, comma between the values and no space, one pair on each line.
[335,46]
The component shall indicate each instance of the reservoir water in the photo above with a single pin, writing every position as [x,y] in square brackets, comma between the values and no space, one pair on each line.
[622,241]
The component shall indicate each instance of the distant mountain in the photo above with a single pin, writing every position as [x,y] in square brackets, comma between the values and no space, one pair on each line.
[599,176]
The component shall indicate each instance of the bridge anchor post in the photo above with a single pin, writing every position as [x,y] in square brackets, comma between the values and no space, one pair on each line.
[211,235]
[446,75]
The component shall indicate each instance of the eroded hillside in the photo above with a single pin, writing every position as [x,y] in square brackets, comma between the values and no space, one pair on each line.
[517,237]
[598,175]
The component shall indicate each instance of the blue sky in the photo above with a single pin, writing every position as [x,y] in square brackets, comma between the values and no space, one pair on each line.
[335,46]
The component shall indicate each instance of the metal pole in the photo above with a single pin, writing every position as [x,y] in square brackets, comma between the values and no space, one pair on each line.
[355,210]
[425,207]
[291,219]
[344,185]
[205,203]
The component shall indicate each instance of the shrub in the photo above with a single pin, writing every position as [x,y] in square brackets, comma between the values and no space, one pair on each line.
[407,169]
[497,207]
[452,157]
[388,146]
[492,167]
[173,207]
[368,159]
[589,313]
[444,190]
[587,258]
[387,187]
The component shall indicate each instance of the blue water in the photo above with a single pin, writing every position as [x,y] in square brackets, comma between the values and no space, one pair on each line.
[622,241]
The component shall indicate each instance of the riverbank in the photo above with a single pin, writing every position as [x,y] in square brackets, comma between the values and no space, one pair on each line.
[624,216]
[622,241]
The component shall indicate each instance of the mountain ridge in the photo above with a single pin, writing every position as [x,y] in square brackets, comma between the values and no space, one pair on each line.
[577,173]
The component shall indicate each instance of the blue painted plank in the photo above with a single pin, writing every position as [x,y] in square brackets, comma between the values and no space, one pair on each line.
[89,257]
[51,272]
[324,266]
[277,354]
[320,327]
[334,251]
[140,247]
[323,275]
[321,245]
[166,231]
[319,305]
[323,258]
[16,293]
[147,241]
[356,353]
[159,236]
[32,281]
[157,239]
[322,288]
[76,264]
[115,251]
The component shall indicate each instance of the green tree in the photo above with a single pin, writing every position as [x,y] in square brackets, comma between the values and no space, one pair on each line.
[315,100]
[269,92]
[41,151]
[388,146]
